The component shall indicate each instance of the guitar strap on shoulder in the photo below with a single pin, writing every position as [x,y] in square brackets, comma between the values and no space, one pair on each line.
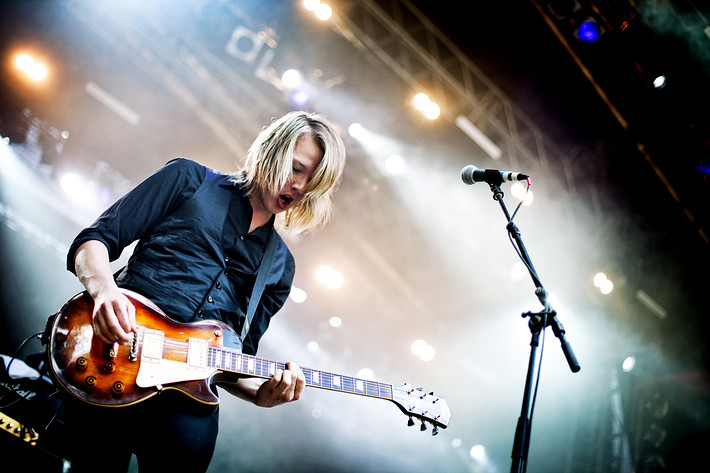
[260,282]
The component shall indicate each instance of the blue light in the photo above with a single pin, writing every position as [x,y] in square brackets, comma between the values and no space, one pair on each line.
[299,97]
[589,31]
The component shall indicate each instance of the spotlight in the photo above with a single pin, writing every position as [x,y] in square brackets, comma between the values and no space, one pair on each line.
[299,97]
[32,68]
[298,295]
[328,276]
[604,284]
[420,101]
[324,12]
[629,364]
[589,31]
[659,82]
[292,79]
[432,111]
[428,107]
[423,350]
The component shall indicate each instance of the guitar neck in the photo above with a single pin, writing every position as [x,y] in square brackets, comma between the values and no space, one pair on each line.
[233,361]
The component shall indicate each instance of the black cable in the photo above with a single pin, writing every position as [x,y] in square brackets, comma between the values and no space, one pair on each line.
[7,368]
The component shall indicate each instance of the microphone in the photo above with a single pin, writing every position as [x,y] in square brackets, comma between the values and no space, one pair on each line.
[471,175]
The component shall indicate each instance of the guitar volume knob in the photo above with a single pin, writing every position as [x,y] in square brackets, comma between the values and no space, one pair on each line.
[109,367]
[118,387]
[81,363]
[90,382]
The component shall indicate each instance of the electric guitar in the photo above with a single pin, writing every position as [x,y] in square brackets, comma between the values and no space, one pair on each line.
[165,354]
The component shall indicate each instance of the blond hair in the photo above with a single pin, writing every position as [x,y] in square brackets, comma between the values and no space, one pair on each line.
[268,165]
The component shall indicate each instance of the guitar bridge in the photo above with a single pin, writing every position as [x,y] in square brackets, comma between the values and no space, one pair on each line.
[133,355]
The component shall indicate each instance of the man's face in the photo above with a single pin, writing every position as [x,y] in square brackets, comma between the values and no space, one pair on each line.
[306,158]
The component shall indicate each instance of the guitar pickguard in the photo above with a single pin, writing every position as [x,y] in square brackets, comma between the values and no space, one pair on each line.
[156,370]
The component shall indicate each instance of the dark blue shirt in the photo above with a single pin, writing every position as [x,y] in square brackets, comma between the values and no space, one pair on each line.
[195,257]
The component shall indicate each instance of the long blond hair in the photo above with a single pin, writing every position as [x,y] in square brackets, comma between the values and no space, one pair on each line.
[268,165]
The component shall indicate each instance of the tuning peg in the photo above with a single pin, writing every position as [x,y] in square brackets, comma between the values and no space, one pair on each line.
[422,427]
[410,422]
[435,431]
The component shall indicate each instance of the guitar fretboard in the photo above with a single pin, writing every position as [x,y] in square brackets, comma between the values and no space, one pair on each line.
[233,361]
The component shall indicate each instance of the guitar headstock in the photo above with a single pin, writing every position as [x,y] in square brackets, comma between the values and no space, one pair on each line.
[424,406]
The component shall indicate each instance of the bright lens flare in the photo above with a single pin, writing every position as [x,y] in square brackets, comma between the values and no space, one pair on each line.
[33,69]
[324,12]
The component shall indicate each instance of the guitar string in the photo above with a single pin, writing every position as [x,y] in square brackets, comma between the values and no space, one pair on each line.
[262,366]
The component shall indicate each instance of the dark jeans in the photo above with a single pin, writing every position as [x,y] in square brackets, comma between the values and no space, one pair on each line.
[168,432]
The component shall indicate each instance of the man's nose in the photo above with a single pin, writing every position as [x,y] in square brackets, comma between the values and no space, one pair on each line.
[298,183]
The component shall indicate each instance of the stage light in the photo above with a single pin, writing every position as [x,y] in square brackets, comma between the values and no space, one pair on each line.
[335,321]
[428,107]
[477,452]
[298,295]
[300,97]
[604,285]
[599,278]
[328,276]
[589,31]
[292,79]
[432,111]
[420,101]
[423,350]
[394,164]
[23,62]
[521,192]
[75,187]
[628,364]
[659,82]
[562,9]
[324,12]
[32,68]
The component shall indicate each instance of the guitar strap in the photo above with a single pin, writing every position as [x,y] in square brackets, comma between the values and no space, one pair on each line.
[260,282]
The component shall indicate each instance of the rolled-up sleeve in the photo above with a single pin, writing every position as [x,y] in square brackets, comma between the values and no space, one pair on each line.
[141,209]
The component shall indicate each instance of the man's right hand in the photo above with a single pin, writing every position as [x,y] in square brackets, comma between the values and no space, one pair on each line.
[114,316]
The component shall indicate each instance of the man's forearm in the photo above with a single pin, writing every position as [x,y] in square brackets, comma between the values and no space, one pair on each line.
[92,266]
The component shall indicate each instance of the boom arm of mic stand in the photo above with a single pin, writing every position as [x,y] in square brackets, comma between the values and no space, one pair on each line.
[553,322]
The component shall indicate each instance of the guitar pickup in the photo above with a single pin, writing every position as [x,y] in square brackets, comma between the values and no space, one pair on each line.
[197,353]
[153,346]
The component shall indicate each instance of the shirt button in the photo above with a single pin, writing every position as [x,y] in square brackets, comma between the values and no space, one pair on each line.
[226,259]
[209,299]
[241,237]
[218,285]
[199,314]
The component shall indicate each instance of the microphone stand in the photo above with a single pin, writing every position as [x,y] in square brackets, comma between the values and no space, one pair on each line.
[537,323]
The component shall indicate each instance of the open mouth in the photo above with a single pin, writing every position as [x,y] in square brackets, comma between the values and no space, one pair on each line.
[285,199]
